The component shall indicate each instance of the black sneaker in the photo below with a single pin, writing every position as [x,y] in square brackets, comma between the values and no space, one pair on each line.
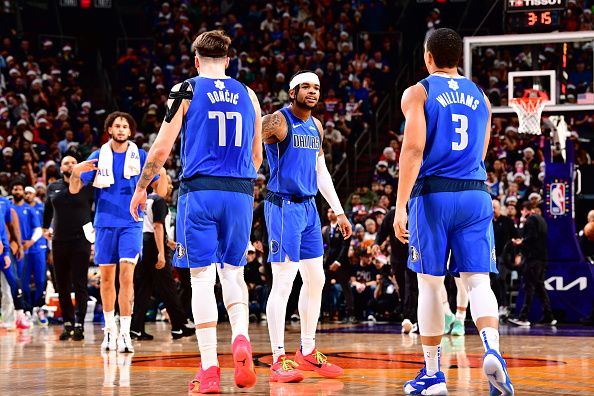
[140,335]
[78,334]
[67,333]
[183,332]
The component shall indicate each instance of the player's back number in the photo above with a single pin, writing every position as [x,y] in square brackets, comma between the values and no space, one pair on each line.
[462,128]
[222,117]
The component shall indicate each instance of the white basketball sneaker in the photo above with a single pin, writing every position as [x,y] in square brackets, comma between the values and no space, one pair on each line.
[109,339]
[125,344]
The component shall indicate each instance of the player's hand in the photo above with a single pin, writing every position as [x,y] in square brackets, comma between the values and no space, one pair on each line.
[85,166]
[27,244]
[160,262]
[346,229]
[7,262]
[1,247]
[171,244]
[400,220]
[138,202]
[48,234]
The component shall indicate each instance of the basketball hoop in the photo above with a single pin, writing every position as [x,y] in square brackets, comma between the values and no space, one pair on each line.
[529,109]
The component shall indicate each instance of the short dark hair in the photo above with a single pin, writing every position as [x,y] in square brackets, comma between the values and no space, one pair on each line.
[18,182]
[212,44]
[527,205]
[120,114]
[446,47]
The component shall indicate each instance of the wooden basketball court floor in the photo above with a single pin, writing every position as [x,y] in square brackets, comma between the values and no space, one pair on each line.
[377,360]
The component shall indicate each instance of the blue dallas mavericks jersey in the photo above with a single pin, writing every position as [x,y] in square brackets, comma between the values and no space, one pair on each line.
[29,221]
[293,161]
[218,142]
[112,203]
[41,243]
[456,115]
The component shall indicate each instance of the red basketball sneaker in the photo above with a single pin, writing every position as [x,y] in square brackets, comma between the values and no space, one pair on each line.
[206,381]
[245,375]
[284,371]
[318,362]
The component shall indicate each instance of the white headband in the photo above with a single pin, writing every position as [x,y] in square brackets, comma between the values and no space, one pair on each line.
[308,77]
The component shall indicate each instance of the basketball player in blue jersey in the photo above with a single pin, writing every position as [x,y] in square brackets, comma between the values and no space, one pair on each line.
[221,150]
[293,141]
[36,261]
[442,172]
[32,263]
[114,171]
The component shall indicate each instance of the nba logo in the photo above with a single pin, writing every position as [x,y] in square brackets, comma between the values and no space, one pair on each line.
[557,205]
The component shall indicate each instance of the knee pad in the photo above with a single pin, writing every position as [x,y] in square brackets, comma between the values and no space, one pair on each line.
[482,299]
[204,304]
[233,285]
[430,310]
[312,273]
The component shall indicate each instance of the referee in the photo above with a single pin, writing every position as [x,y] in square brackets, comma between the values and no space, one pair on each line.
[67,214]
[153,274]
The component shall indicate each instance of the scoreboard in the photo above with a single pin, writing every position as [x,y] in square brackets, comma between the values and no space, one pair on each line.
[533,16]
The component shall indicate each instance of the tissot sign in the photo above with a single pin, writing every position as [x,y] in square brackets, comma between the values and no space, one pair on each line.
[534,5]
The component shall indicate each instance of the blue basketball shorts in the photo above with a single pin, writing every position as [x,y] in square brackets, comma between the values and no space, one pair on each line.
[458,222]
[294,230]
[116,244]
[213,226]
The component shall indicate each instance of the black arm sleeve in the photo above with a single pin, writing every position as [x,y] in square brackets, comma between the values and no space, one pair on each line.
[343,256]
[384,231]
[48,213]
[159,210]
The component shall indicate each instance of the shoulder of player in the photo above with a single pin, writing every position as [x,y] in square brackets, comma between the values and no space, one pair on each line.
[318,125]
[413,95]
[275,121]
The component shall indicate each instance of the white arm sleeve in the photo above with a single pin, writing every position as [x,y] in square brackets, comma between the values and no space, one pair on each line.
[37,233]
[326,186]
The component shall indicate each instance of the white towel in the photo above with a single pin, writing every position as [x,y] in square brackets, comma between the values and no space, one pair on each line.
[104,176]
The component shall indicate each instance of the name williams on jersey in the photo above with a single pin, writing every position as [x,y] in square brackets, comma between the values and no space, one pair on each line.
[450,97]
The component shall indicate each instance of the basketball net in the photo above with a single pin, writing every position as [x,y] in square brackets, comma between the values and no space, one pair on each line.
[529,109]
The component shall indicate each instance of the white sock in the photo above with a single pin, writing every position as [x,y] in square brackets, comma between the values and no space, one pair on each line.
[310,301]
[461,315]
[110,320]
[239,318]
[446,308]
[277,351]
[432,354]
[125,324]
[20,312]
[490,338]
[308,344]
[207,343]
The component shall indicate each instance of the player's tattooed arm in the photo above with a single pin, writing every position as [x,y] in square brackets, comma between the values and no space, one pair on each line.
[274,128]
[150,170]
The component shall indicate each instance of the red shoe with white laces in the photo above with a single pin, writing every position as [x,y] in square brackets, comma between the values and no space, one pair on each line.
[206,381]
[283,371]
[318,362]
[245,375]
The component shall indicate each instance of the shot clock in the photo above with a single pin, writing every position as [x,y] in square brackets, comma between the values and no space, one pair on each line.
[534,16]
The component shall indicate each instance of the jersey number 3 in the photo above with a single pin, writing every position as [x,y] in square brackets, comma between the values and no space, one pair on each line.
[222,117]
[462,130]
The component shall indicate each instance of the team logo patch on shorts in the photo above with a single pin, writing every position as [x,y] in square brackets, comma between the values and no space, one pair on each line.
[274,246]
[493,255]
[180,250]
[414,254]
